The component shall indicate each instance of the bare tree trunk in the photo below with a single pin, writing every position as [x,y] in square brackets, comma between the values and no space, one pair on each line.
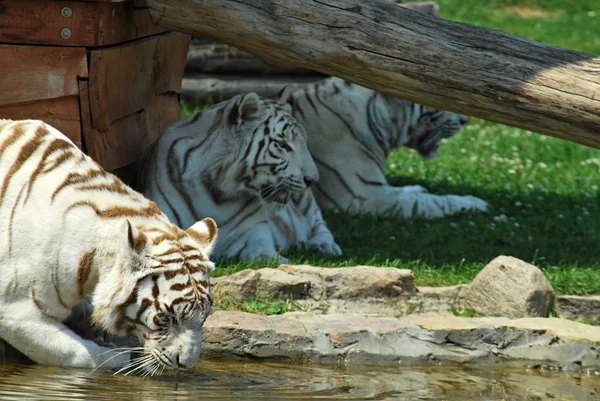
[454,66]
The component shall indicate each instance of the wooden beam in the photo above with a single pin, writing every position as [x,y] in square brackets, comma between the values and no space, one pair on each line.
[454,66]
[141,70]
[219,87]
[32,73]
[74,23]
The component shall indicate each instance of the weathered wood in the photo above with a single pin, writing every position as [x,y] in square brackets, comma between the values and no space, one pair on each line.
[31,73]
[88,23]
[140,70]
[61,113]
[222,87]
[218,57]
[455,66]
[127,138]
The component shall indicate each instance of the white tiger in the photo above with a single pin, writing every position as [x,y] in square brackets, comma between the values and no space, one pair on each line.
[351,130]
[69,229]
[245,163]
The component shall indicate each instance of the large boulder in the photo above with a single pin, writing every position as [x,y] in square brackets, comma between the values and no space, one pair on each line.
[512,288]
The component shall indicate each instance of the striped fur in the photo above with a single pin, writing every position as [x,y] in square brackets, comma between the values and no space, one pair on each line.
[69,230]
[245,163]
[351,130]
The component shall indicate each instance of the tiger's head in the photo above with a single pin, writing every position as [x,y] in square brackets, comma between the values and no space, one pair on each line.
[273,161]
[430,126]
[414,125]
[158,292]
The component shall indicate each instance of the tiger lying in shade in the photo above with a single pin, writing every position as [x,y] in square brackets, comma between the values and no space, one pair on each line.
[245,163]
[242,160]
[68,230]
[351,131]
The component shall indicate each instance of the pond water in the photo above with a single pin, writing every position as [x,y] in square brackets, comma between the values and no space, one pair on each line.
[282,382]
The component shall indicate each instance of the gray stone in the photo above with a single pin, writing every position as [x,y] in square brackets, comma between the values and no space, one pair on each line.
[510,287]
[437,299]
[240,286]
[412,340]
[280,284]
[579,307]
[358,289]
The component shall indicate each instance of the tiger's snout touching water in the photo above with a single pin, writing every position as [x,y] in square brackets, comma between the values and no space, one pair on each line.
[70,231]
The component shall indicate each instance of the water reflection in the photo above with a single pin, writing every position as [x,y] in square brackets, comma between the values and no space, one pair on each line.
[282,382]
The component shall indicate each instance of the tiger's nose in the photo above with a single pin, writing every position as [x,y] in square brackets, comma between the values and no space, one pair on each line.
[309,181]
[184,363]
[463,119]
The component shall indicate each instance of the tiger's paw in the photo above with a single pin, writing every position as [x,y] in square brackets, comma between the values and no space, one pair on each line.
[329,248]
[470,203]
[413,189]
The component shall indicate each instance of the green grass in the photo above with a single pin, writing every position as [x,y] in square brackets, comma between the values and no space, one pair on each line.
[543,192]
[262,306]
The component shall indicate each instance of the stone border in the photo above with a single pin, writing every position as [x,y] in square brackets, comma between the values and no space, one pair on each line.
[417,339]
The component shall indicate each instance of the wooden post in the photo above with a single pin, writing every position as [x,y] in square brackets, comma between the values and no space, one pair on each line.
[457,67]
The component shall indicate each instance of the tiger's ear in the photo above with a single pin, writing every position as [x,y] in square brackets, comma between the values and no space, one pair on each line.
[249,108]
[205,233]
[284,96]
[132,239]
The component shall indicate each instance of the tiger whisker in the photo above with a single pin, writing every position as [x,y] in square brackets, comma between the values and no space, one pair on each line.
[140,365]
[145,368]
[134,363]
[155,369]
[121,349]
[112,357]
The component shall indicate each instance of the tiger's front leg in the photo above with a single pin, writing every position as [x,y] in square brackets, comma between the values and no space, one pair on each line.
[47,341]
[256,244]
[417,204]
[320,238]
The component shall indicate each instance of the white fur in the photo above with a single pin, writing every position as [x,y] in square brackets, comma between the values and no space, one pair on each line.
[44,235]
[351,130]
[206,165]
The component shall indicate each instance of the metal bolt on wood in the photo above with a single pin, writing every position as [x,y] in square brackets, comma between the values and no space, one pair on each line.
[65,33]
[66,12]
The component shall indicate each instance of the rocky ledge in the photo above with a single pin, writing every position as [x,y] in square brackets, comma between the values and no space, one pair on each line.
[506,287]
[415,339]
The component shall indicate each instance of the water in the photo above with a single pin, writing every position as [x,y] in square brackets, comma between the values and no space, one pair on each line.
[283,382]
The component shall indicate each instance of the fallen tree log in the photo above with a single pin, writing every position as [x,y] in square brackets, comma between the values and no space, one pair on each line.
[455,66]
[206,56]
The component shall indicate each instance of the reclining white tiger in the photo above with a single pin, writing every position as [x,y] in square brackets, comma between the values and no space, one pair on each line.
[239,162]
[351,130]
[69,229]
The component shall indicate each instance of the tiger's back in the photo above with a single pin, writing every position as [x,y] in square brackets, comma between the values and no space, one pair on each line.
[351,131]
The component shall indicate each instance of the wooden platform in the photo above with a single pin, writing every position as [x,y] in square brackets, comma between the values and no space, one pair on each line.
[99,71]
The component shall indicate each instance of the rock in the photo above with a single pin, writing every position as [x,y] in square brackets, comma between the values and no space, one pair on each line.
[510,287]
[240,286]
[413,340]
[437,299]
[367,282]
[280,284]
[319,286]
[579,307]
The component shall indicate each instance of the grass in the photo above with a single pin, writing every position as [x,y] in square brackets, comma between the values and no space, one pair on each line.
[262,306]
[543,192]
